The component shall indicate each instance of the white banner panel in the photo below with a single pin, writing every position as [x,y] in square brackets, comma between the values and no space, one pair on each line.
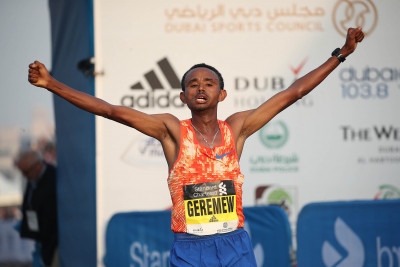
[340,142]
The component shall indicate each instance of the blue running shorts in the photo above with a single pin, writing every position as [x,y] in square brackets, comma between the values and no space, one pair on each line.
[222,250]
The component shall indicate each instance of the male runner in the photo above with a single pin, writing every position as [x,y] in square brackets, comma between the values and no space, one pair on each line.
[202,154]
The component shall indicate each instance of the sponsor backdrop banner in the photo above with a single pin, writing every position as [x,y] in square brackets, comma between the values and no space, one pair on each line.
[341,142]
[145,238]
[357,233]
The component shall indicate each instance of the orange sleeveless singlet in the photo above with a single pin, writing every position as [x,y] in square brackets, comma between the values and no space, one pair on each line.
[206,185]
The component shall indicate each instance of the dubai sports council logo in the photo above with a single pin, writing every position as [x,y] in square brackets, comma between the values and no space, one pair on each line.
[350,242]
[274,135]
[350,13]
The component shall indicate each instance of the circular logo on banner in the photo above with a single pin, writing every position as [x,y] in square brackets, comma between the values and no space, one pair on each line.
[274,134]
[350,13]
[387,191]
[284,197]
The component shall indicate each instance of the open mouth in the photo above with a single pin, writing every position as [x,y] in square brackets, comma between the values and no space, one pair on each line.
[201,98]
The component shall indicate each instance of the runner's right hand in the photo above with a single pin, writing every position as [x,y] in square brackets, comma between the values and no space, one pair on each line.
[38,74]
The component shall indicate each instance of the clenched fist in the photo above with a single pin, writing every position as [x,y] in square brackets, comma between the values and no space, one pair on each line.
[39,75]
[354,36]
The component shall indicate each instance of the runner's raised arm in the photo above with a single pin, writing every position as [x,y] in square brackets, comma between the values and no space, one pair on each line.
[163,127]
[246,123]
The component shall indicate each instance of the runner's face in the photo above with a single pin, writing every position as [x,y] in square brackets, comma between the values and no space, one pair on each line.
[201,89]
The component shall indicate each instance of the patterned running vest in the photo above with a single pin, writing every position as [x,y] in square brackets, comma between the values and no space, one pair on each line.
[206,185]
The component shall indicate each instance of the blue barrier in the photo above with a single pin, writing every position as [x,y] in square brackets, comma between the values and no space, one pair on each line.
[13,248]
[349,234]
[139,239]
[270,233]
[145,238]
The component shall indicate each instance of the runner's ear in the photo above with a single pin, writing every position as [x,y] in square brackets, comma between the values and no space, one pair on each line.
[182,97]
[222,95]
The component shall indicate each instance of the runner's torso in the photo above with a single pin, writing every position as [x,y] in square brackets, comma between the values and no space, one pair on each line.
[206,185]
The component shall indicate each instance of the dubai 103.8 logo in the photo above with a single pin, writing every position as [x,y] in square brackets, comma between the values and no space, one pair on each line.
[274,134]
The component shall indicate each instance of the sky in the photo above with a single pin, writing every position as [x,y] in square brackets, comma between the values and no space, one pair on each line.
[25,37]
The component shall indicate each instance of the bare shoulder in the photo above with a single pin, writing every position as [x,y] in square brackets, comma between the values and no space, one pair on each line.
[236,122]
[167,118]
[171,122]
[170,141]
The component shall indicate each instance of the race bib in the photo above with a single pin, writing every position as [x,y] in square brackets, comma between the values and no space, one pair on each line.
[210,208]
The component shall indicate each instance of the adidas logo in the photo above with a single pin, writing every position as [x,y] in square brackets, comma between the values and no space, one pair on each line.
[154,81]
[213,219]
[159,94]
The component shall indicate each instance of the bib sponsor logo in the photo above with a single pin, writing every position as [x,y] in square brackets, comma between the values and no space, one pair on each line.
[222,189]
[213,219]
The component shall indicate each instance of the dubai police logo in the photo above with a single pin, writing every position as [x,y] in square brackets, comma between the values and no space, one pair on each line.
[350,13]
[274,135]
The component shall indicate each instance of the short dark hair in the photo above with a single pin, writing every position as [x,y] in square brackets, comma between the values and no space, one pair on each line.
[203,65]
